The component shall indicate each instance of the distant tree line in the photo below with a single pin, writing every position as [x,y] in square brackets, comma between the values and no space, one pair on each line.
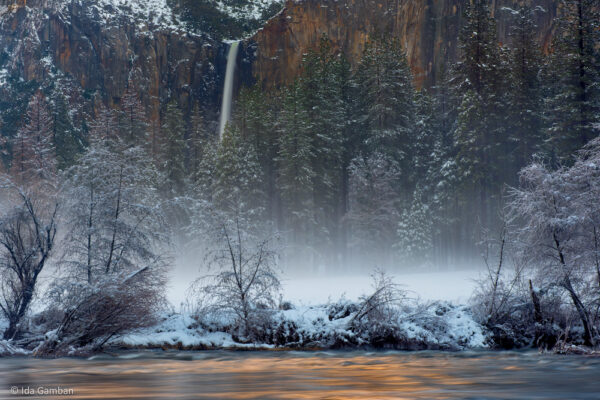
[355,165]
[355,162]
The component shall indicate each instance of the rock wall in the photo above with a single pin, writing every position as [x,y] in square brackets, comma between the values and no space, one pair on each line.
[103,55]
[428,30]
[102,48]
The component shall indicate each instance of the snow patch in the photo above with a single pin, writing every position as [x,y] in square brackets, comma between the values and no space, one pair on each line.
[3,76]
[180,330]
[146,12]
[250,10]
[7,349]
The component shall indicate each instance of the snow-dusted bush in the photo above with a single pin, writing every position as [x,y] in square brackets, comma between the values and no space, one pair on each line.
[112,305]
[112,275]
[381,307]
[243,290]
[557,215]
[549,287]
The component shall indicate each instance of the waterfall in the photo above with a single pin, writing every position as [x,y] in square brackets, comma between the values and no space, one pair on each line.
[228,88]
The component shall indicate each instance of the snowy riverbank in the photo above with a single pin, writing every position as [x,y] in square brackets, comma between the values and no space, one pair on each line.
[434,326]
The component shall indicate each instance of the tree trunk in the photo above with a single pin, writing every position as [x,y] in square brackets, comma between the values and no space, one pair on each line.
[588,336]
[537,308]
[11,331]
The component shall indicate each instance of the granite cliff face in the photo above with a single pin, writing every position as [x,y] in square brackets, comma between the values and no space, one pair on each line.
[428,30]
[102,46]
[102,49]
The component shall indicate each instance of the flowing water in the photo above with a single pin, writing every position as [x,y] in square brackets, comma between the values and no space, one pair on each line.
[292,375]
[228,87]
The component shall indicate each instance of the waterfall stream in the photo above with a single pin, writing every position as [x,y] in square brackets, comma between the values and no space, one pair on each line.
[228,87]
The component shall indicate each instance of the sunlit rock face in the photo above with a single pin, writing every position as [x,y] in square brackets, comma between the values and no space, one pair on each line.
[428,30]
[104,45]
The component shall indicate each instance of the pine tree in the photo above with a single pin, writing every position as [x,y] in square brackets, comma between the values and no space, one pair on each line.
[173,150]
[202,157]
[322,91]
[154,141]
[480,136]
[295,166]
[573,108]
[375,207]
[236,184]
[385,83]
[105,126]
[67,139]
[442,180]
[415,232]
[524,94]
[133,123]
[255,117]
[21,154]
[196,142]
[34,156]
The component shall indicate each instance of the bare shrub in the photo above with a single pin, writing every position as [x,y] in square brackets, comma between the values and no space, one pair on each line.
[498,292]
[114,304]
[380,307]
[245,285]
[518,312]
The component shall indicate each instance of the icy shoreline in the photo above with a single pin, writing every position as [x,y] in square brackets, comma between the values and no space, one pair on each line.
[437,326]
[415,325]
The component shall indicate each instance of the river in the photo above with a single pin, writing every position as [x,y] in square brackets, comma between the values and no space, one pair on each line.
[306,375]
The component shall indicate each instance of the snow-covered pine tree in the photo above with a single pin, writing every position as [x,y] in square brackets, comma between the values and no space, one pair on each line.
[385,119]
[353,132]
[34,155]
[441,180]
[196,142]
[295,168]
[105,126]
[573,106]
[524,94]
[204,177]
[480,136]
[173,152]
[321,89]
[432,149]
[21,153]
[375,207]
[67,139]
[237,178]
[255,116]
[385,87]
[133,122]
[415,232]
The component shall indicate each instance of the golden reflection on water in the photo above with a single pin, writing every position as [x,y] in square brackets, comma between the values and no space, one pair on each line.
[289,376]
